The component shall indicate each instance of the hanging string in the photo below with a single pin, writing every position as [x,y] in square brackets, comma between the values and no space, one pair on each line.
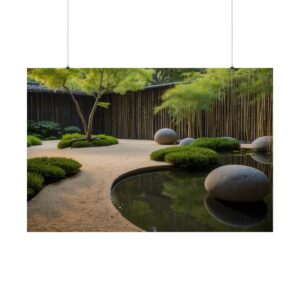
[231,14]
[68,34]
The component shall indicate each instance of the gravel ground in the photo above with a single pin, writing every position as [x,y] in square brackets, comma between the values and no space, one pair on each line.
[83,202]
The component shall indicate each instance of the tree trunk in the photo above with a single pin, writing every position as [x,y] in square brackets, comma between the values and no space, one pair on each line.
[80,114]
[91,117]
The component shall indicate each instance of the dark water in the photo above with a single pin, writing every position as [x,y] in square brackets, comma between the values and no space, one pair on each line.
[176,200]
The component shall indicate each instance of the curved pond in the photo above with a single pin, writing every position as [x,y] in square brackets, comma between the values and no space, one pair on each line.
[175,200]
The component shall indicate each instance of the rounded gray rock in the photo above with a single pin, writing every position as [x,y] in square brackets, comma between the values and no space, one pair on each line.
[165,136]
[237,183]
[263,144]
[186,142]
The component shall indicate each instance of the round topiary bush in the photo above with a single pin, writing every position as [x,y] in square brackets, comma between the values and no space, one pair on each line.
[186,157]
[217,144]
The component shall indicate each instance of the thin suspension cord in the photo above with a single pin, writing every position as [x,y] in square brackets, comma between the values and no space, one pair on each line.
[231,13]
[68,35]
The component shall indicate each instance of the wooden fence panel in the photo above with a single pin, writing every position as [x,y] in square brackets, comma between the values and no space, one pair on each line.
[131,116]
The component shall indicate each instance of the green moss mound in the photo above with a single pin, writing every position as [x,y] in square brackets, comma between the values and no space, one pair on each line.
[217,144]
[35,183]
[186,157]
[68,141]
[33,141]
[44,170]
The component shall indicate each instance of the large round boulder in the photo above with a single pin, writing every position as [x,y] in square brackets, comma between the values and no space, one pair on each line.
[237,183]
[165,136]
[263,144]
[186,142]
[236,214]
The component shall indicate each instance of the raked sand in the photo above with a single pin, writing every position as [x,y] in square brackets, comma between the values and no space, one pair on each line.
[83,202]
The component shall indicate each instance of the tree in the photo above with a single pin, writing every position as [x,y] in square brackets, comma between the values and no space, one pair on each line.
[195,94]
[94,82]
[168,75]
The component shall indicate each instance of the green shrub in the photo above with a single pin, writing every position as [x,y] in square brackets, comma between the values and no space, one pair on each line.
[72,129]
[186,157]
[63,144]
[217,144]
[44,128]
[159,155]
[69,165]
[36,135]
[33,141]
[82,144]
[105,140]
[71,136]
[35,182]
[47,170]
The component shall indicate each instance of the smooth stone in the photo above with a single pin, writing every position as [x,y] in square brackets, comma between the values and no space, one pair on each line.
[238,183]
[263,144]
[186,142]
[262,158]
[236,214]
[165,136]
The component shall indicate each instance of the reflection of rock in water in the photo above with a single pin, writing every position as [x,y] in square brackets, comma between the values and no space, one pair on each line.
[262,158]
[236,214]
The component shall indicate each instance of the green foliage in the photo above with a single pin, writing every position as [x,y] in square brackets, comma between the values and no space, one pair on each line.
[33,141]
[69,165]
[48,171]
[82,144]
[195,94]
[45,129]
[34,182]
[186,157]
[168,75]
[71,136]
[63,144]
[72,129]
[217,144]
[159,155]
[105,140]
[110,139]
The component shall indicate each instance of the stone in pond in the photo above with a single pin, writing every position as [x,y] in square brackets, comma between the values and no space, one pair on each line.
[165,136]
[236,214]
[262,158]
[237,183]
[186,142]
[263,144]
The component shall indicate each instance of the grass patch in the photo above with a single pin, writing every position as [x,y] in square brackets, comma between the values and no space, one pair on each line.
[35,183]
[217,144]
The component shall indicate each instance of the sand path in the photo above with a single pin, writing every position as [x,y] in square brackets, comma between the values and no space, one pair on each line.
[82,202]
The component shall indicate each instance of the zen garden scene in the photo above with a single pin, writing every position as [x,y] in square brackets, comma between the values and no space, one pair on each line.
[157,150]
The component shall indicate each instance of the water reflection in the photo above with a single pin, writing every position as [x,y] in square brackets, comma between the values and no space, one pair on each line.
[236,214]
[176,200]
[262,158]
